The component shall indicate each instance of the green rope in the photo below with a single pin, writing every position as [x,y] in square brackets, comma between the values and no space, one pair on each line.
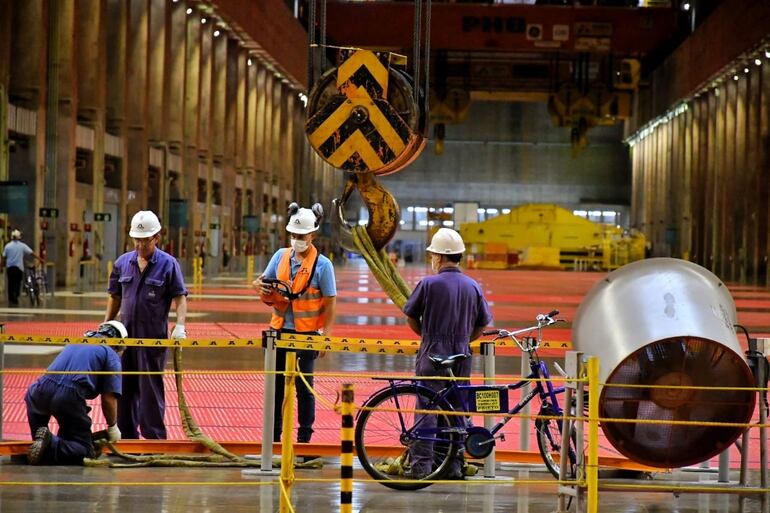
[383,269]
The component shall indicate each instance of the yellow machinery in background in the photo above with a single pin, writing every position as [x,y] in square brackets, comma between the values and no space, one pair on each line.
[545,236]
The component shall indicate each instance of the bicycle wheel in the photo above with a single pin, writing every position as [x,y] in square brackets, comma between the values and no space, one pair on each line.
[549,442]
[379,431]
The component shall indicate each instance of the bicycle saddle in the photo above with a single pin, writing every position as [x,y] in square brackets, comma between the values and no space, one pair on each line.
[447,362]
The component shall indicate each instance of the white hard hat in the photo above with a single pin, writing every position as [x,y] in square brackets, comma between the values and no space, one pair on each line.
[16,234]
[446,242]
[302,222]
[106,329]
[144,224]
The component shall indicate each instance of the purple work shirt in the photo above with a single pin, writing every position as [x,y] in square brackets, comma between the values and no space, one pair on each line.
[449,306]
[146,296]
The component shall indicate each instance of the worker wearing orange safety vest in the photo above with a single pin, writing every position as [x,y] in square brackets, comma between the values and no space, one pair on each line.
[304,303]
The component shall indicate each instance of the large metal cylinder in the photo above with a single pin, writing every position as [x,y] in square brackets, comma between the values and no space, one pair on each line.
[667,323]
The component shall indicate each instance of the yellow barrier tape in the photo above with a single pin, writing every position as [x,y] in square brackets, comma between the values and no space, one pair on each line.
[287,341]
[141,342]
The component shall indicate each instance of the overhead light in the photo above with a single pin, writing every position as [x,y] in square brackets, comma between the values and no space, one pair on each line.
[735,77]
[189,10]
[767,54]
[216,33]
[757,62]
[249,61]
[746,70]
[203,21]
[686,6]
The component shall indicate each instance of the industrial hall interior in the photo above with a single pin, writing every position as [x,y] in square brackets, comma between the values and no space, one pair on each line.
[383,256]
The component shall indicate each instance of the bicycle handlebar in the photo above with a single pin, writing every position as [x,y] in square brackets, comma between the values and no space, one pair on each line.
[543,320]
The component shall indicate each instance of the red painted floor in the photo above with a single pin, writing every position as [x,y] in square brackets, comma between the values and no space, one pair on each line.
[228,406]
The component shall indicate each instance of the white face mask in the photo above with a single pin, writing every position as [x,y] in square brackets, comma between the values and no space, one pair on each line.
[435,263]
[299,246]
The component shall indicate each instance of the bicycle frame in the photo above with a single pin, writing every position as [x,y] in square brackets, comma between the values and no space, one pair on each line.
[539,375]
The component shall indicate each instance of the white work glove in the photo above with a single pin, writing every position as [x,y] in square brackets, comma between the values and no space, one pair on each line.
[179,332]
[113,433]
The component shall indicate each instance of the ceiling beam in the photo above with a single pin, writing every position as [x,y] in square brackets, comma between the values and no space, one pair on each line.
[504,27]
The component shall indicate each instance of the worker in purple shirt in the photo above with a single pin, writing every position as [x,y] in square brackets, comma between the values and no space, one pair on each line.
[142,286]
[62,393]
[447,311]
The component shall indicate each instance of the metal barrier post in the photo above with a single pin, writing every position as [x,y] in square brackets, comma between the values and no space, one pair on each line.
[346,450]
[250,269]
[592,468]
[268,402]
[287,449]
[525,421]
[488,350]
[573,364]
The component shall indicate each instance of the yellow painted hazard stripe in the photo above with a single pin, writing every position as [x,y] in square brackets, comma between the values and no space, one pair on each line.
[356,143]
[367,59]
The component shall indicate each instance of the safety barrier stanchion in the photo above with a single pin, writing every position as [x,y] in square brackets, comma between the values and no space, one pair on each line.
[268,403]
[287,450]
[488,350]
[250,269]
[592,468]
[346,450]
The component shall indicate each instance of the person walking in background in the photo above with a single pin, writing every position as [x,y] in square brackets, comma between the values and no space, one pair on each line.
[310,309]
[13,260]
[63,396]
[447,311]
[142,286]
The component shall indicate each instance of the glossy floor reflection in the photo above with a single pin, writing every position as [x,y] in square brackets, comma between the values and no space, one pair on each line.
[212,490]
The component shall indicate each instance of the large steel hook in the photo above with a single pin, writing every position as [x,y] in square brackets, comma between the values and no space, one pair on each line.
[384,214]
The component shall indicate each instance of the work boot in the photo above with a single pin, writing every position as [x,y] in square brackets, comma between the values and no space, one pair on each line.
[41,442]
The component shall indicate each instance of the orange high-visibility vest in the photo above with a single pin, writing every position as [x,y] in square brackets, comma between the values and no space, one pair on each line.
[307,303]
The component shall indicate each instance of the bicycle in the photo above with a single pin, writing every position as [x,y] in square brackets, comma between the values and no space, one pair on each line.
[31,285]
[385,418]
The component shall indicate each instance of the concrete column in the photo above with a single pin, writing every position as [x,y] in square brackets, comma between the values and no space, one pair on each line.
[190,122]
[60,183]
[250,132]
[718,166]
[137,151]
[755,206]
[763,161]
[92,97]
[204,84]
[27,75]
[239,139]
[174,70]
[267,155]
[156,65]
[218,94]
[6,13]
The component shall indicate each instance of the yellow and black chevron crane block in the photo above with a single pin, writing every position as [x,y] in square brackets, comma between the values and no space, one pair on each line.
[362,116]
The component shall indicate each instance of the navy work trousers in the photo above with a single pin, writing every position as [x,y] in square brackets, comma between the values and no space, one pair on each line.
[46,398]
[305,398]
[15,276]
[143,403]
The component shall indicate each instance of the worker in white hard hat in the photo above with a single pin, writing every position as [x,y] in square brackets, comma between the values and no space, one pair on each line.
[80,372]
[307,305]
[13,260]
[143,284]
[448,311]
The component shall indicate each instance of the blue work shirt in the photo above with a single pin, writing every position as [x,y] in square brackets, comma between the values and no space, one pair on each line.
[146,296]
[87,358]
[14,253]
[449,306]
[323,279]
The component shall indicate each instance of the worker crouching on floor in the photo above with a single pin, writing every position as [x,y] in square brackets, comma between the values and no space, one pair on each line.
[299,284]
[63,396]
